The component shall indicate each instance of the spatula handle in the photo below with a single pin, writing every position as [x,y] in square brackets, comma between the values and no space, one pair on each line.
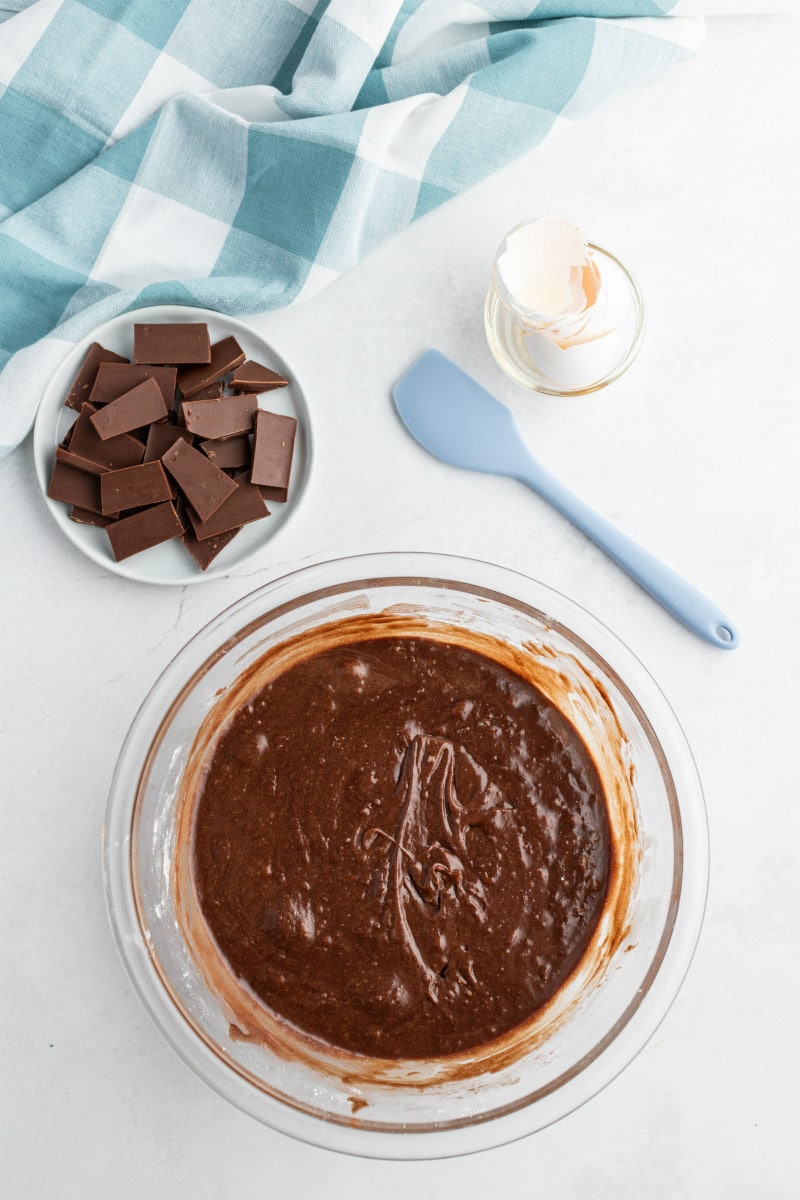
[677,596]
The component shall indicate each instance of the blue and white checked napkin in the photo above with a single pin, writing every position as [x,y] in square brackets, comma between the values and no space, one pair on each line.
[241,156]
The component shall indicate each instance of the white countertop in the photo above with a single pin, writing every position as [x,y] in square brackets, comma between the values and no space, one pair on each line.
[694,181]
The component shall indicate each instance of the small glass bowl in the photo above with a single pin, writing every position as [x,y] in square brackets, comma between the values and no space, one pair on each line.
[506,336]
[598,1021]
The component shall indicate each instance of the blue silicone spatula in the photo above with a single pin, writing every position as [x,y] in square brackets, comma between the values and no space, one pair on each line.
[459,422]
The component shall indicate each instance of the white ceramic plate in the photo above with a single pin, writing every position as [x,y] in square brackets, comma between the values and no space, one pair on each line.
[170,562]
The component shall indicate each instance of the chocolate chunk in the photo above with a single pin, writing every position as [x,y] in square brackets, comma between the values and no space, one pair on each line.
[144,529]
[218,419]
[254,377]
[75,487]
[81,464]
[204,485]
[228,454]
[204,553]
[114,379]
[67,438]
[171,343]
[272,456]
[82,516]
[160,437]
[212,392]
[245,505]
[133,487]
[225,355]
[84,380]
[122,451]
[182,509]
[141,406]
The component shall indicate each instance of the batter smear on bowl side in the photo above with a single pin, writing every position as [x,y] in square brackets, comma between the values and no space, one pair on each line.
[401,846]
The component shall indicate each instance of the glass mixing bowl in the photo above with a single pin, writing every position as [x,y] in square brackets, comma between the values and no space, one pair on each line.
[596,1023]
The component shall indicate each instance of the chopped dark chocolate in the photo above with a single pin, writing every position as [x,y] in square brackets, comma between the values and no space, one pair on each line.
[142,405]
[245,505]
[114,379]
[84,380]
[181,343]
[182,509]
[272,456]
[81,464]
[217,419]
[82,516]
[161,436]
[133,487]
[225,355]
[122,451]
[71,486]
[230,453]
[205,552]
[200,477]
[255,377]
[205,487]
[159,439]
[143,529]
[212,392]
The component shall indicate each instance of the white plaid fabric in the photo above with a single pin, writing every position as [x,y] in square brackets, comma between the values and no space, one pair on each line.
[239,157]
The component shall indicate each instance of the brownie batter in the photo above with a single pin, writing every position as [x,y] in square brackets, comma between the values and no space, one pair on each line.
[402,847]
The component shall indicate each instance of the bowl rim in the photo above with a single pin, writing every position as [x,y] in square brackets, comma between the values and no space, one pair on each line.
[578,1083]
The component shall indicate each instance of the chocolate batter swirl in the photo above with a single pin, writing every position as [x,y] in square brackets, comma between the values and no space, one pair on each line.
[428,883]
[402,847]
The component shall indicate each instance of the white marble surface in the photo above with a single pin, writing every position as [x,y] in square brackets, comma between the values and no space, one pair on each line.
[694,180]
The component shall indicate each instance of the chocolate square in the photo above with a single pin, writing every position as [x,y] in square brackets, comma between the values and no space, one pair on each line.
[177,343]
[81,464]
[255,377]
[136,409]
[204,485]
[71,486]
[87,374]
[217,419]
[114,379]
[246,504]
[225,355]
[122,451]
[273,453]
[140,531]
[204,553]
[230,454]
[133,487]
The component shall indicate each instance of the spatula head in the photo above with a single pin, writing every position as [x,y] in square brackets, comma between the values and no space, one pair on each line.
[456,419]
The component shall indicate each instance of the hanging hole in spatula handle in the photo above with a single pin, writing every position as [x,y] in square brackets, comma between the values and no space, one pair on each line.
[726,636]
[689,605]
